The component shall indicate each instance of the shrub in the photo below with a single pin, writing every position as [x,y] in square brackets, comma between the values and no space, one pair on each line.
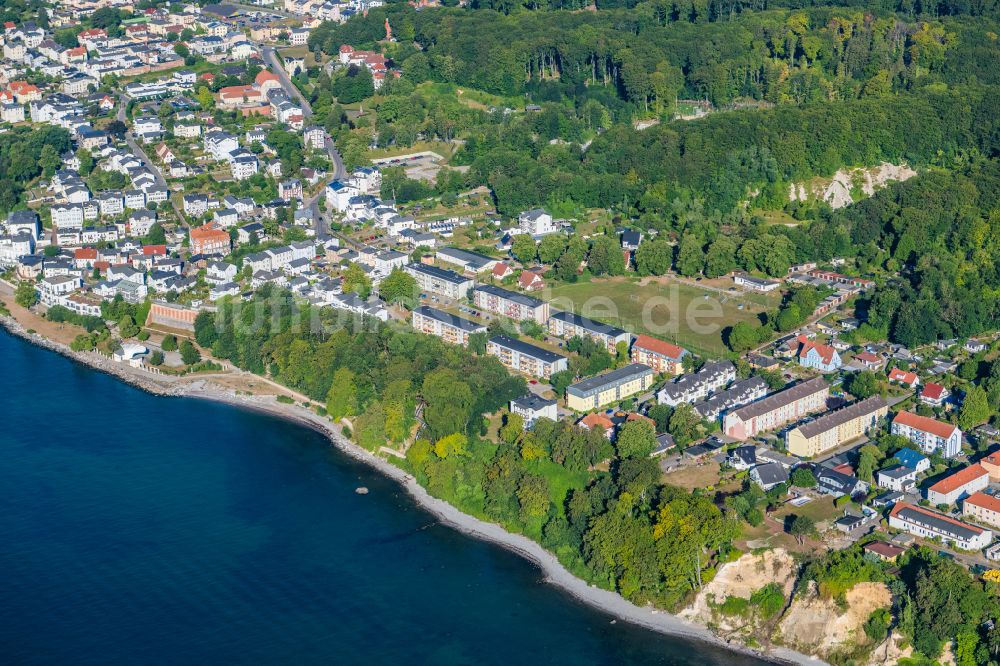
[285,400]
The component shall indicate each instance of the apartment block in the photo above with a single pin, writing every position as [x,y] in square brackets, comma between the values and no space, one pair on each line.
[776,410]
[450,328]
[836,427]
[526,358]
[510,304]
[610,387]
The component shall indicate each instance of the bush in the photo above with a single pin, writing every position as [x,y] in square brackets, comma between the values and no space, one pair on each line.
[189,354]
[285,400]
[877,624]
[156,358]
[143,335]
[769,600]
[734,606]
[169,343]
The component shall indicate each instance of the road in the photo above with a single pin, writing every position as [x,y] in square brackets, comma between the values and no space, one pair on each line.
[320,221]
[137,150]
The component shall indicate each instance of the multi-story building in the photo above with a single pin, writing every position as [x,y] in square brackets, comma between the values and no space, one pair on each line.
[531,407]
[929,524]
[526,358]
[836,427]
[959,485]
[982,508]
[536,222]
[610,387]
[450,328]
[738,394]
[568,325]
[434,280]
[776,410]
[696,386]
[209,239]
[929,434]
[472,262]
[662,357]
[510,304]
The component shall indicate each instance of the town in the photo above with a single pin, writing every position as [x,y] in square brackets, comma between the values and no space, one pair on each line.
[176,162]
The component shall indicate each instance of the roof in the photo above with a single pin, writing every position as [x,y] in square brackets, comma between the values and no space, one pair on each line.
[473,259]
[909,457]
[771,473]
[596,420]
[838,417]
[532,402]
[659,347]
[526,349]
[934,520]
[510,295]
[925,424]
[589,324]
[980,499]
[776,400]
[897,375]
[449,319]
[596,384]
[440,273]
[897,472]
[959,479]
[886,550]
[933,391]
[867,357]
[826,352]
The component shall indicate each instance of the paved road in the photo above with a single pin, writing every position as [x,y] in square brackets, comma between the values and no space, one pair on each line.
[137,150]
[320,221]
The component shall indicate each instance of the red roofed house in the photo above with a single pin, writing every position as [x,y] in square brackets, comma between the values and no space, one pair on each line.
[266,81]
[904,377]
[982,508]
[933,525]
[991,464]
[661,356]
[530,281]
[868,360]
[886,552]
[598,421]
[232,96]
[207,76]
[24,92]
[209,239]
[931,435]
[959,485]
[819,357]
[933,394]
[91,35]
[85,257]
[502,270]
[154,250]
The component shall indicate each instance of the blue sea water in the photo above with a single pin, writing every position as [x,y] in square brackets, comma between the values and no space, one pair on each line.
[137,529]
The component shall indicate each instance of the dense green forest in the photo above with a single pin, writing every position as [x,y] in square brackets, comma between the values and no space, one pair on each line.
[25,154]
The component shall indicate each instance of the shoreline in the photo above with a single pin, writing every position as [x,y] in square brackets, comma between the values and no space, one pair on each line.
[554,573]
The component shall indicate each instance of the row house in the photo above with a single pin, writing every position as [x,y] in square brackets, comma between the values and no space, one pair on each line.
[929,524]
[696,386]
[776,410]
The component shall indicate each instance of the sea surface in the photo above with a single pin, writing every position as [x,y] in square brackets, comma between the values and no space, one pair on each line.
[137,529]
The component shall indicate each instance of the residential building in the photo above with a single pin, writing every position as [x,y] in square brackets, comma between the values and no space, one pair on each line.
[991,463]
[510,304]
[769,475]
[662,357]
[610,387]
[568,325]
[209,239]
[434,280]
[919,463]
[736,395]
[931,435]
[959,485]
[531,407]
[537,223]
[929,524]
[742,457]
[933,394]
[886,552]
[904,377]
[897,477]
[836,427]
[776,410]
[838,483]
[526,358]
[450,328]
[819,357]
[982,508]
[697,386]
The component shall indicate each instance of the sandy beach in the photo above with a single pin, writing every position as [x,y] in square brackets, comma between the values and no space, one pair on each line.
[204,387]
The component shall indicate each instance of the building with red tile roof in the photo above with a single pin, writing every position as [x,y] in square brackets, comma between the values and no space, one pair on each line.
[662,357]
[982,508]
[904,377]
[961,484]
[933,394]
[932,435]
[933,525]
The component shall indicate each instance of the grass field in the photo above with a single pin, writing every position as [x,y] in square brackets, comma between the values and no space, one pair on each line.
[684,314]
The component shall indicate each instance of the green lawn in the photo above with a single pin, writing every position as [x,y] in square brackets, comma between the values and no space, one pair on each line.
[686,315]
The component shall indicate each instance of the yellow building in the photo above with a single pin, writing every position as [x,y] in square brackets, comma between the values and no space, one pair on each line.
[835,428]
[608,388]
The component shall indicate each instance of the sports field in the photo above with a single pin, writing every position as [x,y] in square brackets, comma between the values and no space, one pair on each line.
[685,314]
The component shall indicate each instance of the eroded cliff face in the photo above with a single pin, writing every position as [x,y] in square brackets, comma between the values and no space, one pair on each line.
[807,622]
[849,185]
